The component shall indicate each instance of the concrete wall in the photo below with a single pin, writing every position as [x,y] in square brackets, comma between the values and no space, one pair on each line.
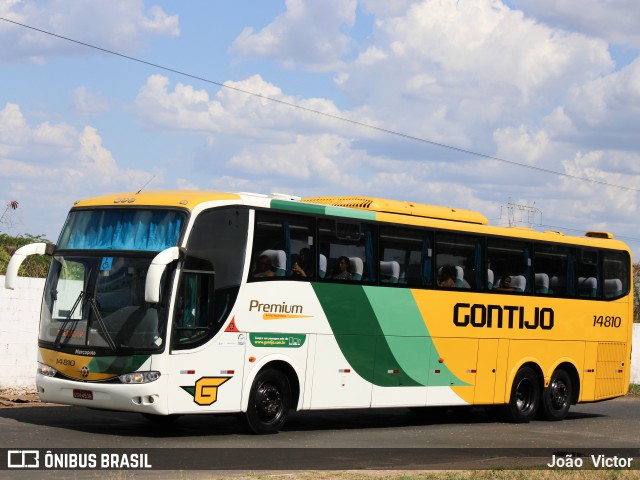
[19,316]
[635,355]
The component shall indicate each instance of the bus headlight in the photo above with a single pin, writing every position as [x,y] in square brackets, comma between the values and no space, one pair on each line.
[139,377]
[46,370]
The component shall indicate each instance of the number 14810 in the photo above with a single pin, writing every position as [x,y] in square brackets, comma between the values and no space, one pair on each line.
[602,321]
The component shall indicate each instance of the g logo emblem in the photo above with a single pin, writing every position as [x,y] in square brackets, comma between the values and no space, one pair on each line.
[206,390]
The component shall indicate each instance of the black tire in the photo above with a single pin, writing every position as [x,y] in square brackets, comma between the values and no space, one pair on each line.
[556,398]
[269,403]
[525,396]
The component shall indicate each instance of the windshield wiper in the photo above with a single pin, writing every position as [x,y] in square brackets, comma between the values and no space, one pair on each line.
[103,327]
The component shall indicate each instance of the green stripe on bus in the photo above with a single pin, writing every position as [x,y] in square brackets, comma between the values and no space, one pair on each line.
[405,333]
[396,311]
[407,336]
[314,209]
[383,324]
[298,207]
[358,333]
[350,213]
[116,365]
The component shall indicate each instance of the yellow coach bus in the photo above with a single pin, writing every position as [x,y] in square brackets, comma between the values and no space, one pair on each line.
[176,302]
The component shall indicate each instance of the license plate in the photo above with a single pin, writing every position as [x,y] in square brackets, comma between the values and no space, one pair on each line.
[83,394]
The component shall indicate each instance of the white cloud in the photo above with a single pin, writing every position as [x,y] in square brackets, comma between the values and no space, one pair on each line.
[614,20]
[604,112]
[529,147]
[121,25]
[232,111]
[48,166]
[309,33]
[480,58]
[321,158]
[385,8]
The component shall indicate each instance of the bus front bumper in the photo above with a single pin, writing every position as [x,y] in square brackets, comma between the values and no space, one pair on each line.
[141,398]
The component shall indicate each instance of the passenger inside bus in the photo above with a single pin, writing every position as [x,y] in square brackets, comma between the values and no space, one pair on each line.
[263,268]
[302,267]
[341,269]
[505,284]
[447,276]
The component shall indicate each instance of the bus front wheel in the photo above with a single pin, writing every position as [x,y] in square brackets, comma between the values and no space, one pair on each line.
[556,398]
[269,402]
[525,396]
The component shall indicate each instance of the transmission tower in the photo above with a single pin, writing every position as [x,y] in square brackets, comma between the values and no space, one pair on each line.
[521,215]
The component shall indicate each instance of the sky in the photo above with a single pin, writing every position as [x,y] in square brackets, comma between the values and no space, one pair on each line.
[527,111]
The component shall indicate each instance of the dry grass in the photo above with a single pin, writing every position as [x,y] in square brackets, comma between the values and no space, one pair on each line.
[431,475]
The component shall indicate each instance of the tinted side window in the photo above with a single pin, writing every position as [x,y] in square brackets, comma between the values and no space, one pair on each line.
[406,257]
[348,250]
[211,275]
[510,264]
[283,247]
[616,274]
[217,243]
[459,262]
[553,269]
[588,281]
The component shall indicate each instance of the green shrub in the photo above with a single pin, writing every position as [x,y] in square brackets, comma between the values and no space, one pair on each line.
[34,266]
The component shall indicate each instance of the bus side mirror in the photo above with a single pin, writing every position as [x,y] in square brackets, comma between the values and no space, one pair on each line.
[156,270]
[20,255]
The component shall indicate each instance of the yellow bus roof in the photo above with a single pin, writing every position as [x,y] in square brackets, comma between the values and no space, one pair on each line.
[166,198]
[395,211]
[401,207]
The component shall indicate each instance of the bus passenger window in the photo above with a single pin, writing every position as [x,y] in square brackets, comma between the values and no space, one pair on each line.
[588,275]
[616,274]
[283,247]
[405,256]
[459,261]
[349,250]
[551,269]
[510,264]
[270,263]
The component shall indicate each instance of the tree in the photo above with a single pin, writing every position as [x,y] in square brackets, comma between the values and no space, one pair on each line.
[5,218]
[636,292]
[33,266]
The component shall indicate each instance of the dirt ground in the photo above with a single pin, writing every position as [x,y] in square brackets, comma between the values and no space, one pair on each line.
[18,397]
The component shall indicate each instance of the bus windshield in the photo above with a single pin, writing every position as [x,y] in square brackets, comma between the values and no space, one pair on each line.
[150,230]
[97,302]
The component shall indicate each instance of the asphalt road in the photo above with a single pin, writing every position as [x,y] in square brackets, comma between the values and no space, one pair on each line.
[386,438]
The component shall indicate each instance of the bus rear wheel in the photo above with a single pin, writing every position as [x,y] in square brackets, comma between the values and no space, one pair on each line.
[525,396]
[556,398]
[269,402]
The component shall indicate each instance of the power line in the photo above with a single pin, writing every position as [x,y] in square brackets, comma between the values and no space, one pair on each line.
[325,114]
[556,228]
[617,237]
